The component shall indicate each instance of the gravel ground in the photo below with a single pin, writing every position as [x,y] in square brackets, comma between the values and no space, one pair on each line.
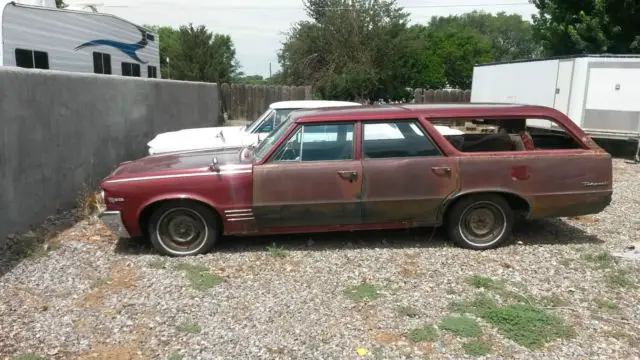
[89,296]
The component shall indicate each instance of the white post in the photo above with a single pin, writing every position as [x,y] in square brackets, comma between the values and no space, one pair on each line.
[637,157]
[169,71]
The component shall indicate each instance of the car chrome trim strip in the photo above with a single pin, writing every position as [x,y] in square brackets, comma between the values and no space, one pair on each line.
[241,219]
[239,214]
[222,172]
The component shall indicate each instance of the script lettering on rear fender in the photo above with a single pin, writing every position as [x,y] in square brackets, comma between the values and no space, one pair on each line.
[595,184]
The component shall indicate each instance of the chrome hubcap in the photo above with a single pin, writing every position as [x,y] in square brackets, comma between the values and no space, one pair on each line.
[482,223]
[182,229]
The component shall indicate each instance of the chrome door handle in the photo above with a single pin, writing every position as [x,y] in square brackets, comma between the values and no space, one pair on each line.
[441,170]
[348,175]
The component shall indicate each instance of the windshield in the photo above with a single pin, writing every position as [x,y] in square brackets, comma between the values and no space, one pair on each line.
[281,115]
[266,144]
[251,127]
[268,121]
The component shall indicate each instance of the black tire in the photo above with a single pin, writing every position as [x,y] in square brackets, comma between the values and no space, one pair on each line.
[195,222]
[492,215]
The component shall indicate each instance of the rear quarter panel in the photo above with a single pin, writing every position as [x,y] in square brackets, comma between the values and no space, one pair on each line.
[554,183]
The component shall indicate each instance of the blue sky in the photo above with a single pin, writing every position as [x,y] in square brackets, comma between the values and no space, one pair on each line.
[257,26]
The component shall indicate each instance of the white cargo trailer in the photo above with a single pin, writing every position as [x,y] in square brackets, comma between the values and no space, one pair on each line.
[600,93]
[35,34]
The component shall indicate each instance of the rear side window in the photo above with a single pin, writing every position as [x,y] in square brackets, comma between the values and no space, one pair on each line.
[32,59]
[24,58]
[101,63]
[40,60]
[130,69]
[396,139]
[508,134]
[152,71]
[136,70]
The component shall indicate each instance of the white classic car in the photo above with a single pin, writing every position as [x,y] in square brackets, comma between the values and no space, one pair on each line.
[221,136]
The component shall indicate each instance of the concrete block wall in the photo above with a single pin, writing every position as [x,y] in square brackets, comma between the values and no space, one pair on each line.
[60,131]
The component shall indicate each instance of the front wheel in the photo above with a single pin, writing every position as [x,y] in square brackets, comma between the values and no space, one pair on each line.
[183,229]
[480,222]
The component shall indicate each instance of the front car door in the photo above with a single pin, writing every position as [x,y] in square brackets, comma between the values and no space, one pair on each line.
[312,179]
[406,177]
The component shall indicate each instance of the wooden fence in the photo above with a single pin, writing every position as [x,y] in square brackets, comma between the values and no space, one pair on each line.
[424,96]
[247,102]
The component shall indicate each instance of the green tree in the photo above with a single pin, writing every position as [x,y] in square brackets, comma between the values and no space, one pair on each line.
[451,45]
[350,49]
[424,68]
[276,78]
[510,36]
[196,54]
[251,80]
[458,51]
[589,26]
[60,4]
[365,50]
[224,58]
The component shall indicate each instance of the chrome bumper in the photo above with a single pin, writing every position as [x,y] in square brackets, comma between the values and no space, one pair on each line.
[113,221]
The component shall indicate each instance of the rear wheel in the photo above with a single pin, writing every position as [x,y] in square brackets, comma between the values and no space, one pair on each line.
[183,229]
[480,222]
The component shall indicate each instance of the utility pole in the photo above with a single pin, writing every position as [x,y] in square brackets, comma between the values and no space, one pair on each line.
[269,69]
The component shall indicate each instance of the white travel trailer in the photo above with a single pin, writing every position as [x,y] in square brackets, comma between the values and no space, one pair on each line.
[600,93]
[35,34]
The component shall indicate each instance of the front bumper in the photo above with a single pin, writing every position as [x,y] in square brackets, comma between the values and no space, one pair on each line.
[113,221]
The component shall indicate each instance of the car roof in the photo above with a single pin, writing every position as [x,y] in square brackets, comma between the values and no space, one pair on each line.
[430,110]
[309,104]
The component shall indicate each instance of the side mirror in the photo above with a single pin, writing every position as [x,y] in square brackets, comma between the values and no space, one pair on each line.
[214,165]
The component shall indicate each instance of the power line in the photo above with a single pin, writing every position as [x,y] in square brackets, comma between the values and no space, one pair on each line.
[218,7]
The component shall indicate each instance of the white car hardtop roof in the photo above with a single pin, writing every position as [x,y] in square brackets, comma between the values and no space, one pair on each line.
[309,104]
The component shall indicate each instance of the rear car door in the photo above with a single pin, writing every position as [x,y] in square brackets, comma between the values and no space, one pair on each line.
[312,179]
[406,178]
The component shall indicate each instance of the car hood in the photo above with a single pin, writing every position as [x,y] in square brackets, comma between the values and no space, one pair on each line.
[199,138]
[179,161]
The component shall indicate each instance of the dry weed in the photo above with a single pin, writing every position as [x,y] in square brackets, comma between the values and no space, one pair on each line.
[122,276]
[89,204]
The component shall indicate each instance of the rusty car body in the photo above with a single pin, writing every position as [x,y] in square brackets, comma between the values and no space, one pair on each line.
[349,177]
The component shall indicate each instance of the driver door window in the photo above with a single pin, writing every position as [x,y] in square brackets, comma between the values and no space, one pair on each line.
[318,142]
[290,150]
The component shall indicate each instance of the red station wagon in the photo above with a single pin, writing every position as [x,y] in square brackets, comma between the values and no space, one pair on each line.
[334,170]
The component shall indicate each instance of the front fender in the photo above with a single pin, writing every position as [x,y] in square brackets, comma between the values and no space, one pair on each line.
[173,196]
